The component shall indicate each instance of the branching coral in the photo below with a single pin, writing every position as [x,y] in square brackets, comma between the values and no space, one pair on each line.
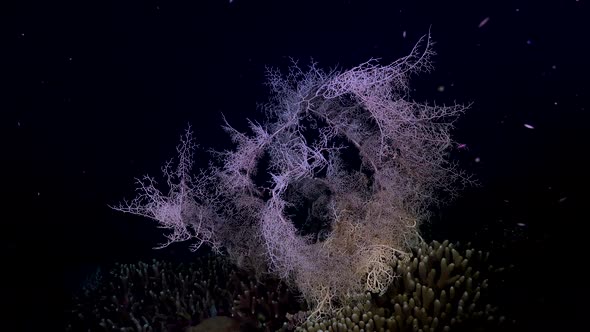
[160,296]
[314,119]
[441,288]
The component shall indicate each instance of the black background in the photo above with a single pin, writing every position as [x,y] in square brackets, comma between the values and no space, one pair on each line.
[95,93]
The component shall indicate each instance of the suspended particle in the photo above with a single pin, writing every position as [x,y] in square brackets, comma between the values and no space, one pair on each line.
[484,22]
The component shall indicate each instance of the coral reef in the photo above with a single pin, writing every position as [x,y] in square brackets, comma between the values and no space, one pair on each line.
[440,287]
[162,296]
[372,160]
